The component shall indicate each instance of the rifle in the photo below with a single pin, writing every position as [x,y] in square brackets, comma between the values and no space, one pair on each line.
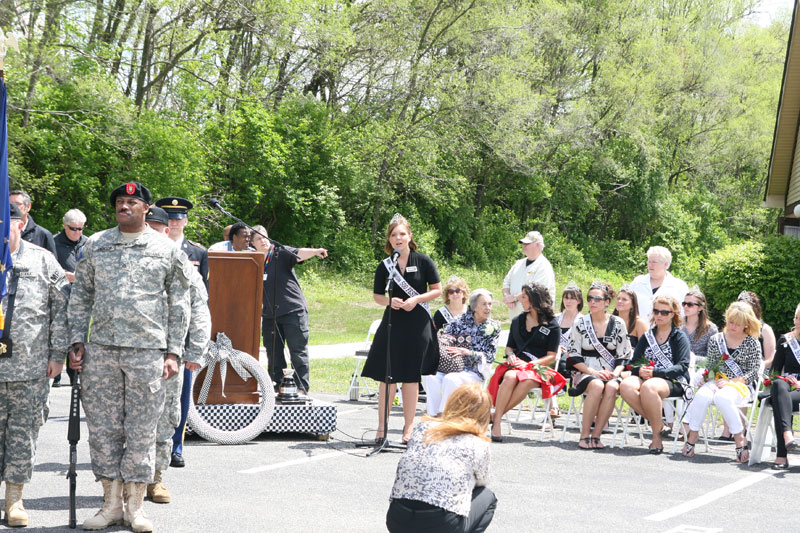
[73,436]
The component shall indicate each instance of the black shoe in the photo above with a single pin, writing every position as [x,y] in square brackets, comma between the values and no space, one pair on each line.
[784,466]
[177,460]
[791,445]
[56,384]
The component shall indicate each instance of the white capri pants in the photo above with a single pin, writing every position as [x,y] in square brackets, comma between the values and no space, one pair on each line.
[727,399]
[439,387]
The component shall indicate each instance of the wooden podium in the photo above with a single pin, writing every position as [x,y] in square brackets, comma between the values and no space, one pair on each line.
[235,282]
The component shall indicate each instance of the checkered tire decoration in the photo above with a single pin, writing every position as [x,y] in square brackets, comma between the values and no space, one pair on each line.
[317,419]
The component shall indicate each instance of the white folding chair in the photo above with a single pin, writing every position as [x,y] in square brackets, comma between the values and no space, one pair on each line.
[357,383]
[533,399]
[625,419]
[575,406]
[714,419]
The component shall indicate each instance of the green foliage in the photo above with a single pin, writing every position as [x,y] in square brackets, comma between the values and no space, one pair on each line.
[608,126]
[770,268]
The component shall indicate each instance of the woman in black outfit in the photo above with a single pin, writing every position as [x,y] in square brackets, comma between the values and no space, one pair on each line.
[661,367]
[784,400]
[413,345]
[534,337]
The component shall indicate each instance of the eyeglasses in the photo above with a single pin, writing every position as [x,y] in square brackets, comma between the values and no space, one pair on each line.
[662,312]
[453,291]
[690,304]
[74,228]
[595,298]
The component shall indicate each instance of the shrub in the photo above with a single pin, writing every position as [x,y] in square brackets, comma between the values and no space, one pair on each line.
[770,268]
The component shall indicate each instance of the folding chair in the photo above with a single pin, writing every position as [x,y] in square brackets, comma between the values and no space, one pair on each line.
[534,398]
[714,419]
[638,419]
[357,383]
[573,408]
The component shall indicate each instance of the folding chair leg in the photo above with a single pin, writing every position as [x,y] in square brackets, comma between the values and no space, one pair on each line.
[760,448]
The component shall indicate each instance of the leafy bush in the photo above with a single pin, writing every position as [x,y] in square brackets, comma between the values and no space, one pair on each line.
[770,268]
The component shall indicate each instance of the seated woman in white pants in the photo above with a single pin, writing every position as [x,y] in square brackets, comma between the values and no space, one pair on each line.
[734,356]
[481,333]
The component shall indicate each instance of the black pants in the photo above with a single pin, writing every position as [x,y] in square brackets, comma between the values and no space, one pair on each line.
[405,516]
[783,403]
[292,330]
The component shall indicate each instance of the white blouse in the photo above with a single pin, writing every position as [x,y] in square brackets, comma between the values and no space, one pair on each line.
[442,473]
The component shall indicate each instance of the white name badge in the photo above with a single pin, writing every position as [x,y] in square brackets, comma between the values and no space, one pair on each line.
[265,276]
[545,331]
[411,269]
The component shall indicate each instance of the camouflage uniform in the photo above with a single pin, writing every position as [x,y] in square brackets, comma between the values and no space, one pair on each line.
[196,346]
[135,293]
[39,334]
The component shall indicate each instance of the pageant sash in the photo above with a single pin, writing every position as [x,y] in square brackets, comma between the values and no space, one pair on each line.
[795,346]
[732,365]
[448,316]
[604,353]
[564,336]
[401,282]
[661,358]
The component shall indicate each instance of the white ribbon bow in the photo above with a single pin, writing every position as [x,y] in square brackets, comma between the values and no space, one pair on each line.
[222,352]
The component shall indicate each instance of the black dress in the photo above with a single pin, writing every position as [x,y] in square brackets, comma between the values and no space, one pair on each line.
[414,348]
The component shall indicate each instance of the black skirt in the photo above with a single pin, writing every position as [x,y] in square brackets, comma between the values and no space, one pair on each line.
[413,346]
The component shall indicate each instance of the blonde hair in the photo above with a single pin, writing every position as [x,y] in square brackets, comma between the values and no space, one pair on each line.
[468,410]
[454,282]
[673,306]
[398,220]
[741,313]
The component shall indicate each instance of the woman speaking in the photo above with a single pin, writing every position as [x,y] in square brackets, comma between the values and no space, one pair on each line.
[413,347]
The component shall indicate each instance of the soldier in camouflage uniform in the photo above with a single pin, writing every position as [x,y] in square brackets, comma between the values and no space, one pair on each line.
[38,334]
[196,346]
[132,285]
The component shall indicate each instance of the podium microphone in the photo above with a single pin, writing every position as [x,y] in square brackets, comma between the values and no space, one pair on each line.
[395,255]
[213,202]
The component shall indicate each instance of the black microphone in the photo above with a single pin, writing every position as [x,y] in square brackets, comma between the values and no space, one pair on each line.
[213,202]
[395,255]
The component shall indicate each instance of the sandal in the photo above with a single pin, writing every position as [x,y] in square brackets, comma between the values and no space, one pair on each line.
[688,449]
[587,441]
[742,454]
[555,413]
[596,444]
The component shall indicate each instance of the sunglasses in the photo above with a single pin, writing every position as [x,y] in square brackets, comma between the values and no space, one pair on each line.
[73,228]
[595,298]
[690,304]
[453,291]
[662,312]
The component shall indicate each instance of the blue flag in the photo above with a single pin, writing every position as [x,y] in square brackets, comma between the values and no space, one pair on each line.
[5,215]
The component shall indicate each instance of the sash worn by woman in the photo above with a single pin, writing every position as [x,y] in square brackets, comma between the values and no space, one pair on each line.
[596,362]
[413,346]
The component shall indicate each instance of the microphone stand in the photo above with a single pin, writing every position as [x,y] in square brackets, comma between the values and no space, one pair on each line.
[271,356]
[384,444]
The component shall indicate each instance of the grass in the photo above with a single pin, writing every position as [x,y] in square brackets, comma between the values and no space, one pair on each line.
[341,308]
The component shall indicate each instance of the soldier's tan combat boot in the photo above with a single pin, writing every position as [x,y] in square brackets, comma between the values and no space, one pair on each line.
[111,513]
[15,511]
[134,514]
[156,490]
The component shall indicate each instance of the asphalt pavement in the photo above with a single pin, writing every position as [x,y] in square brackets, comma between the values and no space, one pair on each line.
[296,483]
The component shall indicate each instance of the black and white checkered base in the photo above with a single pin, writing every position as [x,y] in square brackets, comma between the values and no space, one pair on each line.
[317,418]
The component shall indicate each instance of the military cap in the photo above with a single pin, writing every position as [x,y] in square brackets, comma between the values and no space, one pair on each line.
[15,212]
[175,206]
[156,214]
[133,189]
